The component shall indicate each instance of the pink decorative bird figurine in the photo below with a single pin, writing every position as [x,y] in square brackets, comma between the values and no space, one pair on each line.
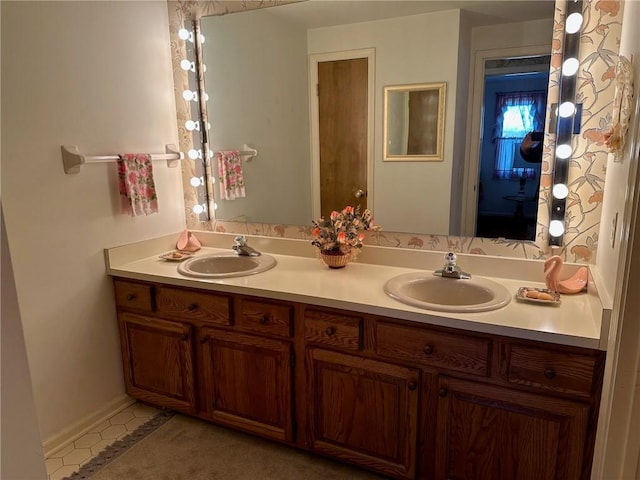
[575,284]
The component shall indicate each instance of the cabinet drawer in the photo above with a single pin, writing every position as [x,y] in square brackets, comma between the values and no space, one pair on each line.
[327,328]
[133,295]
[193,305]
[433,348]
[265,317]
[550,369]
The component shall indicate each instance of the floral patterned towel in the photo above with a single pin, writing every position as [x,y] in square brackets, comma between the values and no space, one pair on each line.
[230,174]
[135,178]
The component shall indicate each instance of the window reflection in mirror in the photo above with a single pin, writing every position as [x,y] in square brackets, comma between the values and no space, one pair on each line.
[515,98]
[414,122]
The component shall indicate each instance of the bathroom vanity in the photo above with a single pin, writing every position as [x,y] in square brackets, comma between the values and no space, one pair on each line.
[351,374]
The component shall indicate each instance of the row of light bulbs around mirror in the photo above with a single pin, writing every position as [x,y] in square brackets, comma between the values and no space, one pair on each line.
[191,125]
[567,109]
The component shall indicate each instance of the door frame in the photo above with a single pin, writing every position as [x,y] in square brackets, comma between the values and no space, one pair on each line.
[314,112]
[475,127]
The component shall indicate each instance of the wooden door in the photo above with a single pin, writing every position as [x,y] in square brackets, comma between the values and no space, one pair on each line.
[248,382]
[491,432]
[158,361]
[363,411]
[343,116]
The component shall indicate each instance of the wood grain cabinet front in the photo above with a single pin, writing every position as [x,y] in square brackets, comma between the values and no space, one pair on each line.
[248,382]
[404,399]
[433,348]
[186,304]
[488,432]
[270,318]
[363,411]
[333,329]
[158,361]
[133,296]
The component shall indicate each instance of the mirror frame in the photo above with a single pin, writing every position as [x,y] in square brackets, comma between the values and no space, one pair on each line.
[579,238]
[438,156]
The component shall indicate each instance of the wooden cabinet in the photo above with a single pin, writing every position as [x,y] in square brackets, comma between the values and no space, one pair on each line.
[408,400]
[364,411]
[488,432]
[247,382]
[157,357]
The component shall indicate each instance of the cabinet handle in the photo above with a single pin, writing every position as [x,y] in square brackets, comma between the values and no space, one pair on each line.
[550,373]
[442,392]
[265,319]
[412,385]
[330,331]
[192,307]
[185,336]
[131,297]
[428,350]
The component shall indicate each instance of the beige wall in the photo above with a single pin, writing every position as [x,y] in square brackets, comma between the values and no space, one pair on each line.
[98,75]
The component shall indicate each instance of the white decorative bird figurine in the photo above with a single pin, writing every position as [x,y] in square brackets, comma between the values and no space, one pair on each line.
[575,284]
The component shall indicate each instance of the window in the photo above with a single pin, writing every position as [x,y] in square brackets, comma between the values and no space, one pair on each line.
[517,114]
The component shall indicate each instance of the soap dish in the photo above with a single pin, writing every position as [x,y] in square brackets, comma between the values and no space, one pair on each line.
[176,256]
[538,295]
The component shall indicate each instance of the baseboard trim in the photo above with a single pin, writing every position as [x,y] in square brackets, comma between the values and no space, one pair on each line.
[60,440]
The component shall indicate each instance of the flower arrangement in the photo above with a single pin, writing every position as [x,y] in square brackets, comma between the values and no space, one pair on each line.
[341,233]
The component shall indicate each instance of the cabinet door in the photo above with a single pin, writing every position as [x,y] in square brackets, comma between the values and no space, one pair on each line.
[158,361]
[363,411]
[491,432]
[248,382]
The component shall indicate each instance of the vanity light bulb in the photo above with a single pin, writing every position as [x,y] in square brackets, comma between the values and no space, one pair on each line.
[570,67]
[213,180]
[196,181]
[205,96]
[198,209]
[187,65]
[184,34]
[191,125]
[563,151]
[215,206]
[560,191]
[573,22]
[556,228]
[194,154]
[201,37]
[566,109]
[188,95]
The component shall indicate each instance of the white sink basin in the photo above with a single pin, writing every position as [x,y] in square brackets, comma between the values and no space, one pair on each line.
[225,265]
[425,290]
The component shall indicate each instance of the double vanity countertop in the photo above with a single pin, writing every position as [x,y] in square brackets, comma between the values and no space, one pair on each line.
[579,320]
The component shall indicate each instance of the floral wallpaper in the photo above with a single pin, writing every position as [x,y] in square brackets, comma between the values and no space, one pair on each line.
[595,90]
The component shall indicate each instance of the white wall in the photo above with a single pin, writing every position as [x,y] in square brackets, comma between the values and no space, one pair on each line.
[98,75]
[618,266]
[260,62]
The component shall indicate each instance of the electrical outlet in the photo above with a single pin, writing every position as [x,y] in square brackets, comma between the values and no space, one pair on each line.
[614,225]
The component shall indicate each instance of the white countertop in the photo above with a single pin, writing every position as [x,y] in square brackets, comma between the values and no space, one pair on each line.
[576,321]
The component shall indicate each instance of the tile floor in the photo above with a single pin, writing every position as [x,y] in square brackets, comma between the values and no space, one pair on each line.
[69,459]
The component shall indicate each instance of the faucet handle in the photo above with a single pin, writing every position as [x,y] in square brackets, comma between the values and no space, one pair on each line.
[240,241]
[450,259]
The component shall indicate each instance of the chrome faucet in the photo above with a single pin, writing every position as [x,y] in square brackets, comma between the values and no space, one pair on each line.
[241,247]
[451,269]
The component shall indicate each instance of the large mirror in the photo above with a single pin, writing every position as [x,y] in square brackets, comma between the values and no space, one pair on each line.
[263,88]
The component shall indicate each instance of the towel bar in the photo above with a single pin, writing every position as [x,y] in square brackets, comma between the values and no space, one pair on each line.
[73,160]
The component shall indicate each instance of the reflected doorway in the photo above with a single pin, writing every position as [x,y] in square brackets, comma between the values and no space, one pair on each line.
[514,104]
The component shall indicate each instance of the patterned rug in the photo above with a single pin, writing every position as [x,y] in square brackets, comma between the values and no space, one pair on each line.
[117,448]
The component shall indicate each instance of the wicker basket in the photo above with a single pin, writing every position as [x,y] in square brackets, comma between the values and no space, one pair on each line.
[335,260]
